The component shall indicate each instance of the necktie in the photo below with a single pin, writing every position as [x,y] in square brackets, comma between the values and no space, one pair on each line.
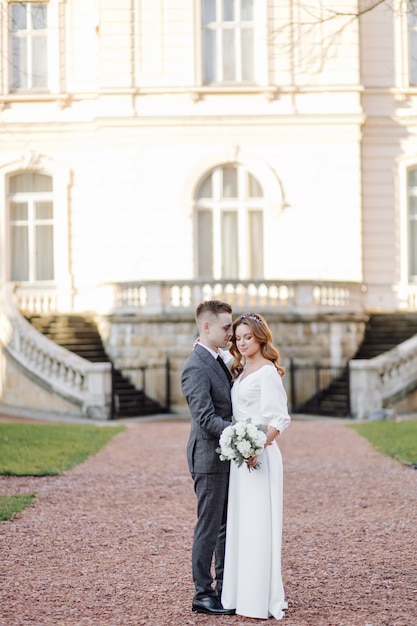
[225,368]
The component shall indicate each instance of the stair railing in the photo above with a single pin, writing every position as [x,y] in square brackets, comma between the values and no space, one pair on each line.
[84,384]
[308,386]
[385,379]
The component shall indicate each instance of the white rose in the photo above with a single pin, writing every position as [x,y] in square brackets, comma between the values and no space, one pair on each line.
[226,436]
[240,429]
[252,431]
[244,448]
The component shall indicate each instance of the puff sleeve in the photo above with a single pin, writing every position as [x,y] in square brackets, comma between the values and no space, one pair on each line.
[274,408]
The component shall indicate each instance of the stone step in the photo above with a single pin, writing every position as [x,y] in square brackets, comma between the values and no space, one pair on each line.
[80,335]
[383,332]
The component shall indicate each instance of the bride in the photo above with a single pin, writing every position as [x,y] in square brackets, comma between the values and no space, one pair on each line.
[252,582]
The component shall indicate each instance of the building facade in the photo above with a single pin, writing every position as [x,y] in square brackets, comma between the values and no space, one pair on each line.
[208,140]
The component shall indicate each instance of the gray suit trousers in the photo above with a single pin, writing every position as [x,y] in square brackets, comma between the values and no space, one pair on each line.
[210,531]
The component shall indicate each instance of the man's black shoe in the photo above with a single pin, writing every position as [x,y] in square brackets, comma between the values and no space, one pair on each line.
[211,606]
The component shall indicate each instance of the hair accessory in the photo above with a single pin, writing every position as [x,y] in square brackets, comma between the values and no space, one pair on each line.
[251,317]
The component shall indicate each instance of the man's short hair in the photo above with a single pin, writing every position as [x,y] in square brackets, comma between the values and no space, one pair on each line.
[215,307]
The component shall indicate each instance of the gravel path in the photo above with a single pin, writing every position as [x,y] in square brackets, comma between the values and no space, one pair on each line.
[108,543]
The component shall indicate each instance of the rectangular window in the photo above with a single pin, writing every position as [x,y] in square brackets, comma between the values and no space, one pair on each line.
[412,230]
[412,223]
[247,52]
[19,241]
[205,244]
[44,241]
[228,41]
[229,182]
[412,41]
[413,247]
[256,244]
[28,33]
[230,247]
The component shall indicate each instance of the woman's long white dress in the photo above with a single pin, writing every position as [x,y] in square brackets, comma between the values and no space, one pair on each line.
[252,582]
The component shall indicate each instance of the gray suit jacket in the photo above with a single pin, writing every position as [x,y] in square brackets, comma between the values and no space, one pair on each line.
[207,390]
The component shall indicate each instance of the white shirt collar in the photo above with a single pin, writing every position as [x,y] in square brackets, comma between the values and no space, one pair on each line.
[212,352]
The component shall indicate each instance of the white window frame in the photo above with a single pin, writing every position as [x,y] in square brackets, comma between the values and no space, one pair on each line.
[243,204]
[260,59]
[412,32]
[31,198]
[55,50]
[61,177]
[411,192]
[29,36]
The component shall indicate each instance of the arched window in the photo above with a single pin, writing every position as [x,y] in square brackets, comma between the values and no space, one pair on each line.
[412,223]
[229,225]
[31,227]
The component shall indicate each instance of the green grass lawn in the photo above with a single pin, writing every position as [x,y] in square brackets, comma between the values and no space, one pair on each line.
[12,505]
[49,449]
[45,450]
[396,439]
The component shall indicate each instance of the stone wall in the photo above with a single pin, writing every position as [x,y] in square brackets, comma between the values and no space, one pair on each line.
[329,339]
[22,396]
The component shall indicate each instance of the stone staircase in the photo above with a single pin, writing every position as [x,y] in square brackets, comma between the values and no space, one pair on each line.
[383,332]
[80,335]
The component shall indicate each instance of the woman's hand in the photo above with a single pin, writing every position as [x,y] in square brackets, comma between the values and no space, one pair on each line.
[271,434]
[252,461]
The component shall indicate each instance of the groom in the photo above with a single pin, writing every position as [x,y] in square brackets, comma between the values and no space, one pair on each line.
[206,386]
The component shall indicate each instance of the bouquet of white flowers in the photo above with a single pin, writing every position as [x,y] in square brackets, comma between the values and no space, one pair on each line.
[240,441]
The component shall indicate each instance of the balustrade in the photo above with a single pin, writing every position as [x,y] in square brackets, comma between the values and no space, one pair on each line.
[164,297]
[377,382]
[373,383]
[86,384]
[183,296]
